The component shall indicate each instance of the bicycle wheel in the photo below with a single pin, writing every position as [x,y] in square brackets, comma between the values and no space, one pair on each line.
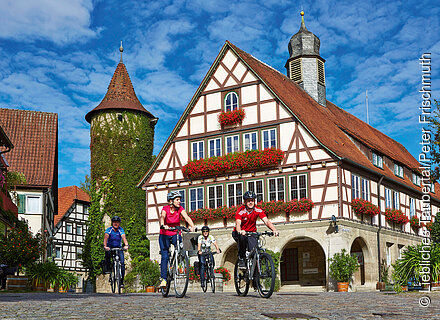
[205,284]
[118,277]
[181,275]
[112,278]
[265,276]
[212,278]
[166,290]
[241,280]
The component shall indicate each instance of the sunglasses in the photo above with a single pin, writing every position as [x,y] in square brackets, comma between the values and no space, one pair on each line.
[205,231]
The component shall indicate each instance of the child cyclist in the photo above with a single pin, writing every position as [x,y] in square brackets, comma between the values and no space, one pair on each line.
[204,242]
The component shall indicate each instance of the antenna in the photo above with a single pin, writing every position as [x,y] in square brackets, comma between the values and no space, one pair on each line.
[366,100]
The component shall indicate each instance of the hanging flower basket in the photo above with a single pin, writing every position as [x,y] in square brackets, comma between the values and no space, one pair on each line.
[428,225]
[415,222]
[231,117]
[270,208]
[361,206]
[233,162]
[396,216]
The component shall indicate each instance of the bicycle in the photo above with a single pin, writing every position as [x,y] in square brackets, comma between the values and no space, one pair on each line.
[115,272]
[209,271]
[178,267]
[260,269]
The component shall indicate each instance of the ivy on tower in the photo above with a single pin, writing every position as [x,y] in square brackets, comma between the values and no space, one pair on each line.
[121,148]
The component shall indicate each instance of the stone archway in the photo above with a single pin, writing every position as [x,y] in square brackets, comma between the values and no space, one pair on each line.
[303,263]
[230,258]
[359,248]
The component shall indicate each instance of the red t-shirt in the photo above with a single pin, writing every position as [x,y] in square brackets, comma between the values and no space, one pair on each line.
[249,219]
[171,220]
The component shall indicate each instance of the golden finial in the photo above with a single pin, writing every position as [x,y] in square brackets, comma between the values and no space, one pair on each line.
[303,24]
[302,13]
[121,49]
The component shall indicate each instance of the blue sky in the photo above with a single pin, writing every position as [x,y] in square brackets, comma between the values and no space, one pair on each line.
[59,56]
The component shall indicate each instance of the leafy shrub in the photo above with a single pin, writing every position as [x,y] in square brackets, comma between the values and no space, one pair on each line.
[342,266]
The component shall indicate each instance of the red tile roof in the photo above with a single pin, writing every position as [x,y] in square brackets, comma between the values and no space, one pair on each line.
[35,138]
[120,95]
[66,197]
[331,125]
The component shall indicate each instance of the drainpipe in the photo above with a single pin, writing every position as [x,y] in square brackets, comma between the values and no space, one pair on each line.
[380,227]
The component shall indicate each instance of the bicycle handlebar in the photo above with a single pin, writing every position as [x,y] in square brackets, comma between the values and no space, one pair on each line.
[179,228]
[265,233]
[117,249]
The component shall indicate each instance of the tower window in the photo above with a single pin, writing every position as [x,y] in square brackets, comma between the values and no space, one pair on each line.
[119,115]
[295,70]
[321,77]
[231,101]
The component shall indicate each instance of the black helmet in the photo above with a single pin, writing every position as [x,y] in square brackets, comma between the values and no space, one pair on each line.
[205,228]
[249,195]
[116,218]
[173,195]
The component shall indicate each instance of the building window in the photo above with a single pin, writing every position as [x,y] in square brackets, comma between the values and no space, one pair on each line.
[250,141]
[355,186]
[182,198]
[400,246]
[231,101]
[68,228]
[215,149]
[389,246]
[365,189]
[196,198]
[398,170]
[392,200]
[412,207]
[377,160]
[197,150]
[79,252]
[416,179]
[33,204]
[269,138]
[432,187]
[235,194]
[298,186]
[79,208]
[276,189]
[86,209]
[257,187]
[79,230]
[58,253]
[215,196]
[232,144]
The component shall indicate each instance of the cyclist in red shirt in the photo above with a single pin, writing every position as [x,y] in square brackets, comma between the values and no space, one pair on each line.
[246,221]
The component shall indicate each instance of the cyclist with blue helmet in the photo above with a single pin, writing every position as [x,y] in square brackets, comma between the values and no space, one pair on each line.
[113,238]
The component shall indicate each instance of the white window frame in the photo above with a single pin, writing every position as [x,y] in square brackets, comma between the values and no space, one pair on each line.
[79,227]
[388,252]
[299,190]
[182,198]
[388,198]
[416,179]
[377,160]
[250,137]
[235,143]
[237,198]
[396,200]
[60,251]
[198,149]
[86,209]
[231,106]
[400,248]
[254,188]
[270,142]
[69,225]
[365,189]
[218,198]
[412,207]
[217,150]
[277,191]
[199,201]
[398,170]
[27,208]
[355,186]
[79,208]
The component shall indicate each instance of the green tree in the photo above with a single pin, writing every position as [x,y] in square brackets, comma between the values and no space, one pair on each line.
[86,184]
[435,140]
[435,230]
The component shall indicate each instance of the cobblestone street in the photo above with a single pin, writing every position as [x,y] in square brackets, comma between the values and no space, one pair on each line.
[356,305]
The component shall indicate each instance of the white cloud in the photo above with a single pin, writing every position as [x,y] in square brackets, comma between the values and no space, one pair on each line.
[61,21]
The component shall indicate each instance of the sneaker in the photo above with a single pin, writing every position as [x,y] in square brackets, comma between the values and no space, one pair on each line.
[203,284]
[241,263]
[122,285]
[163,283]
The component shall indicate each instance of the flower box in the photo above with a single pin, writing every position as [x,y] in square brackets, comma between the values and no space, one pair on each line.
[233,162]
[361,206]
[414,222]
[231,117]
[396,216]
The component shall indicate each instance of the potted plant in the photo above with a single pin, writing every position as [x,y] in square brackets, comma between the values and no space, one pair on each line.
[342,267]
[42,274]
[64,280]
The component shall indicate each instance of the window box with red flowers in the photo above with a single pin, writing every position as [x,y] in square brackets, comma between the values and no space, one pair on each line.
[428,225]
[361,206]
[415,222]
[229,118]
[270,208]
[396,216]
[224,272]
[233,162]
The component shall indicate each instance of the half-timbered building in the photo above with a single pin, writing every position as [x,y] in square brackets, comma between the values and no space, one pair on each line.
[329,156]
[70,229]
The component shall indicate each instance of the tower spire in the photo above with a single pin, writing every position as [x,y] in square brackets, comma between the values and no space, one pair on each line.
[121,49]
[303,24]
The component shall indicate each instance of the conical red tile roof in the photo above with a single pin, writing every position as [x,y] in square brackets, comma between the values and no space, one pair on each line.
[120,95]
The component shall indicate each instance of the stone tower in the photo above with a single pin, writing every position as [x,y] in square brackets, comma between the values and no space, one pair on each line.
[305,66]
[121,148]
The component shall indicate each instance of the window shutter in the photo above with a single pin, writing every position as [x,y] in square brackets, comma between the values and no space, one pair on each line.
[321,77]
[21,203]
[295,70]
